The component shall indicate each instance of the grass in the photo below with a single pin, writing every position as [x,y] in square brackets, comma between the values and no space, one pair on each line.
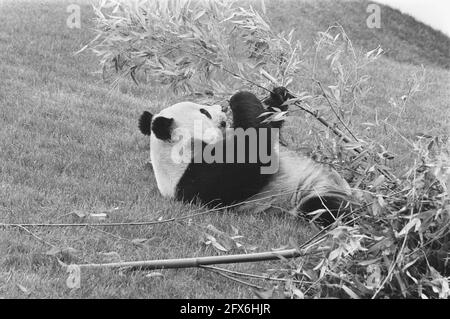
[404,38]
[68,143]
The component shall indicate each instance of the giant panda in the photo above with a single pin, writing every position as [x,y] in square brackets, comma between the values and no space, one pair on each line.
[182,133]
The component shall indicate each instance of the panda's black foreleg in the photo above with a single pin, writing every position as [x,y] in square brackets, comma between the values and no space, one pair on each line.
[246,109]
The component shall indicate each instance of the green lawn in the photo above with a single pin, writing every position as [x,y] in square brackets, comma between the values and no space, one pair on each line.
[67,143]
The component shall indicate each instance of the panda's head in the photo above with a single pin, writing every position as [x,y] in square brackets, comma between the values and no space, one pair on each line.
[171,134]
[182,119]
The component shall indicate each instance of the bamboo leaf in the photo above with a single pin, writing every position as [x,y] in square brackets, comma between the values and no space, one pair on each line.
[350,292]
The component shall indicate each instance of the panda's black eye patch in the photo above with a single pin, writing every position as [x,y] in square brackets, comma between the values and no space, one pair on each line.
[203,111]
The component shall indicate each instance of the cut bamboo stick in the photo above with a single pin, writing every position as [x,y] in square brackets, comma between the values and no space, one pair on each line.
[197,261]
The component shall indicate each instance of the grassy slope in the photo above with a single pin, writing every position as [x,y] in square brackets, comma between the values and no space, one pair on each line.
[402,37]
[67,143]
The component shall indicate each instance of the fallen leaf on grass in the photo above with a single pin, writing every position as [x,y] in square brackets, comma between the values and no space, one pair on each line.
[213,241]
[74,279]
[214,230]
[298,293]
[223,241]
[140,241]
[154,274]
[108,210]
[81,214]
[23,289]
[374,279]
[350,292]
[251,248]
[263,294]
[98,216]
[378,181]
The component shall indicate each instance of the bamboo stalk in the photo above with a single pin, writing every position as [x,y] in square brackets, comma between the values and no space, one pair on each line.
[334,111]
[284,191]
[244,274]
[240,281]
[197,261]
[331,127]
[344,137]
[194,262]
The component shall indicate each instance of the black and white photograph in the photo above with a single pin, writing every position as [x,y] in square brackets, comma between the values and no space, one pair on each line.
[224,153]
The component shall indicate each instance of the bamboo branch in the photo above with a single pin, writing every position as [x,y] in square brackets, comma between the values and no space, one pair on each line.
[147,223]
[201,262]
[154,222]
[242,282]
[331,127]
[197,261]
[194,262]
[341,135]
[244,274]
[216,64]
[334,111]
[36,236]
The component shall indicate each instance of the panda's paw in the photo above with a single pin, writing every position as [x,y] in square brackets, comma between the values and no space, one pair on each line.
[280,92]
[277,97]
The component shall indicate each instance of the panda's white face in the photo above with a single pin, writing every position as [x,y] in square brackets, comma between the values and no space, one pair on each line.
[191,117]
[172,129]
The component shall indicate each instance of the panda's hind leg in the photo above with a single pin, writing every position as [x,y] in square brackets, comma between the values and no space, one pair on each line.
[329,208]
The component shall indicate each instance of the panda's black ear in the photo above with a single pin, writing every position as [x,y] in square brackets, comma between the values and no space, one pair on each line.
[162,128]
[145,122]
